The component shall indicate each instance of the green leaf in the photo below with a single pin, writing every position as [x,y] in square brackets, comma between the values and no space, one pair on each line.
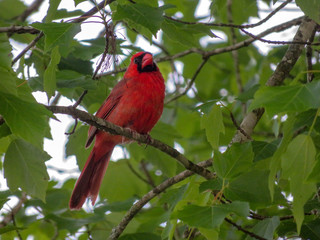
[4,130]
[213,124]
[24,167]
[310,8]
[8,81]
[4,144]
[248,94]
[314,176]
[75,64]
[73,224]
[212,184]
[152,218]
[26,119]
[240,14]
[5,51]
[263,150]
[236,160]
[181,33]
[10,9]
[72,79]
[9,228]
[58,34]
[116,206]
[75,145]
[144,15]
[311,230]
[79,1]
[297,98]
[209,234]
[4,197]
[165,132]
[49,77]
[297,163]
[64,13]
[266,227]
[115,187]
[140,236]
[275,162]
[173,196]
[53,6]
[251,186]
[210,217]
[159,159]
[187,7]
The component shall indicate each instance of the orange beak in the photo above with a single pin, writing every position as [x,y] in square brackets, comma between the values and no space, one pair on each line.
[146,60]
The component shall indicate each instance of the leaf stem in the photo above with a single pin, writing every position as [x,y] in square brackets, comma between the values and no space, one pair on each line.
[314,121]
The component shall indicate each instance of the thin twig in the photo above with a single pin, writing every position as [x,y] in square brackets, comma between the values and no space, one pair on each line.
[77,20]
[2,121]
[279,42]
[26,49]
[235,55]
[137,174]
[116,232]
[76,104]
[19,30]
[73,129]
[234,25]
[110,47]
[294,51]
[256,216]
[310,74]
[32,8]
[9,217]
[17,229]
[251,234]
[56,99]
[234,121]
[146,172]
[184,92]
[245,43]
[282,71]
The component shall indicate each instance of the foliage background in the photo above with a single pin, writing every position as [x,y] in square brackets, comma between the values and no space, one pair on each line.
[255,113]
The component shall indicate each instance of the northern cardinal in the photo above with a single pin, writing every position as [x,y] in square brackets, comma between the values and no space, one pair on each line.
[136,102]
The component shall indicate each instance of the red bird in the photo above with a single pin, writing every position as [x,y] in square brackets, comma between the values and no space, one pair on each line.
[136,102]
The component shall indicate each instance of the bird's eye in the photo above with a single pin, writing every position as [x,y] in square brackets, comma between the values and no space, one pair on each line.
[136,60]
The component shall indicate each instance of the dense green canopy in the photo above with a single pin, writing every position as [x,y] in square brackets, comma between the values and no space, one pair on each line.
[247,115]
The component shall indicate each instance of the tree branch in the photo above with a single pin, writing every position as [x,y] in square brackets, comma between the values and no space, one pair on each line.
[245,43]
[234,25]
[19,30]
[116,232]
[138,175]
[294,51]
[184,92]
[310,74]
[82,18]
[235,54]
[32,8]
[2,121]
[128,133]
[10,216]
[282,71]
[251,234]
[280,42]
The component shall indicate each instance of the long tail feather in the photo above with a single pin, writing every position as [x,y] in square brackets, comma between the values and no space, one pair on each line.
[89,182]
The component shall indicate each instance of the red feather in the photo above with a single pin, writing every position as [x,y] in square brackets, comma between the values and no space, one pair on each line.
[136,102]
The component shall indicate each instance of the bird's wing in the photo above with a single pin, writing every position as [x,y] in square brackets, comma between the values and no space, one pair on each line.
[107,107]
